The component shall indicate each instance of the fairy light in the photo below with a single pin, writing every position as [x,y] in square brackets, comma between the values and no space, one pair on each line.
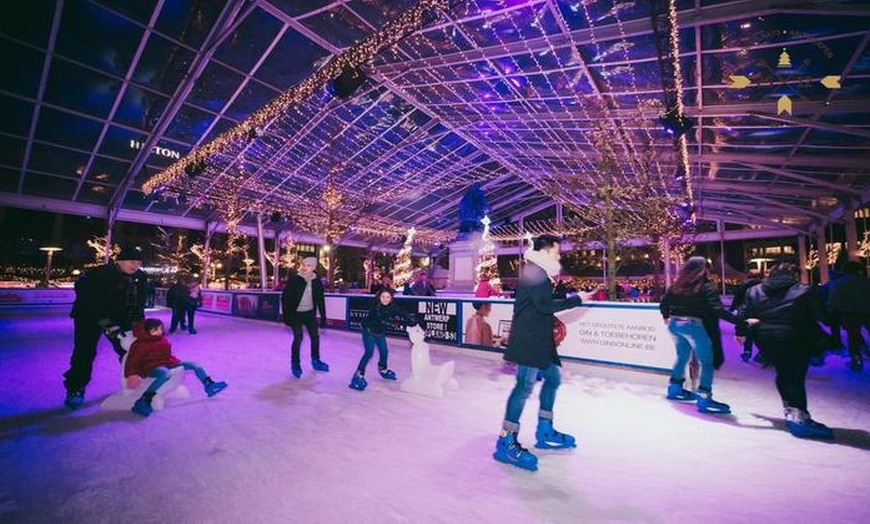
[409,21]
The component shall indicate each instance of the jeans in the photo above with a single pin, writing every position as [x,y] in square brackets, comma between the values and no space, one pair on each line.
[526,378]
[689,335]
[369,342]
[307,319]
[161,375]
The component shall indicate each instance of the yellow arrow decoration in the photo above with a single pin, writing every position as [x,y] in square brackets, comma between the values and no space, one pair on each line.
[783,105]
[739,81]
[831,81]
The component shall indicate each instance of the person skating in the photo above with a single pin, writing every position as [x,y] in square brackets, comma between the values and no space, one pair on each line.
[374,333]
[151,356]
[789,313]
[301,298]
[686,303]
[109,299]
[849,301]
[532,348]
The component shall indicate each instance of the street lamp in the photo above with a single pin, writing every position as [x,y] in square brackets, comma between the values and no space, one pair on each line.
[49,254]
[248,262]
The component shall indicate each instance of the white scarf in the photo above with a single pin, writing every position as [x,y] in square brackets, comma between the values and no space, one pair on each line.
[550,265]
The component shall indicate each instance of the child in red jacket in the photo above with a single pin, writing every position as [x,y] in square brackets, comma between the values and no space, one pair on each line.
[151,356]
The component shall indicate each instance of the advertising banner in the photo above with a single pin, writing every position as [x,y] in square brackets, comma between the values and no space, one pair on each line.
[267,308]
[440,319]
[217,302]
[34,297]
[616,333]
[487,323]
[247,305]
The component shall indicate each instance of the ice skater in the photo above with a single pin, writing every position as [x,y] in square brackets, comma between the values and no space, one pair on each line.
[109,299]
[532,347]
[151,356]
[374,334]
[301,298]
[787,335]
[686,303]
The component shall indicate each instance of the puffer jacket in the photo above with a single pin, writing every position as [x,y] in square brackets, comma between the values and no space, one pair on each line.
[148,353]
[784,306]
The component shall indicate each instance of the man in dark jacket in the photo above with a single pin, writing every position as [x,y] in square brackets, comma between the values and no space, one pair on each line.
[849,301]
[788,334]
[300,299]
[532,347]
[109,299]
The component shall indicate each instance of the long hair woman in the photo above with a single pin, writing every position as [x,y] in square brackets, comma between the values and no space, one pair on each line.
[685,305]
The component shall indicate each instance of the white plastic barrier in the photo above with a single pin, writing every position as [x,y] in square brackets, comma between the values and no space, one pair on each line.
[427,379]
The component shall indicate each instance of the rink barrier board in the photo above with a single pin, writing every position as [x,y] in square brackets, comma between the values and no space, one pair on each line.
[598,332]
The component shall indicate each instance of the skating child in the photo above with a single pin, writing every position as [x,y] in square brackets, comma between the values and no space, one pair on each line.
[374,333]
[151,356]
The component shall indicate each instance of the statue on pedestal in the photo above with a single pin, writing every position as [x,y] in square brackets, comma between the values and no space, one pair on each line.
[472,207]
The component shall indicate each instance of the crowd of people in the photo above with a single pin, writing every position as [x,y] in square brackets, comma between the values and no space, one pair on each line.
[778,314]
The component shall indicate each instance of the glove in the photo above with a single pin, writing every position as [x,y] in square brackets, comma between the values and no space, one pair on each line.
[323,322]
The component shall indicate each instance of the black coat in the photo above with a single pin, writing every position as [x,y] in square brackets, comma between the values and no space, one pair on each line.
[704,303]
[101,293]
[292,295]
[531,339]
[789,312]
[380,316]
[178,296]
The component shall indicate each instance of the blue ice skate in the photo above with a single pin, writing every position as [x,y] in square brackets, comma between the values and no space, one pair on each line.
[509,451]
[676,392]
[358,382]
[548,438]
[142,406]
[706,404]
[388,374]
[212,388]
[319,365]
[74,399]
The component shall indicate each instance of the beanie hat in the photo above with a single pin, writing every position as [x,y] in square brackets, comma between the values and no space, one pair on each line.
[129,252]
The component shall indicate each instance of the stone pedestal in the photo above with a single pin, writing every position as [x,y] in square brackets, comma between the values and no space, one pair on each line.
[463,261]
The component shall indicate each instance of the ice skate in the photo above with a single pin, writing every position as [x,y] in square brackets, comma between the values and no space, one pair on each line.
[74,398]
[677,392]
[706,404]
[296,369]
[548,438]
[319,365]
[387,374]
[801,425]
[358,382]
[509,451]
[142,406]
[212,388]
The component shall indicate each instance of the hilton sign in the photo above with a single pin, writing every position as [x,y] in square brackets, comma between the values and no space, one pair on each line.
[157,150]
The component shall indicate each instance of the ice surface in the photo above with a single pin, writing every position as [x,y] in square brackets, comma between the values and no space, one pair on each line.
[272,448]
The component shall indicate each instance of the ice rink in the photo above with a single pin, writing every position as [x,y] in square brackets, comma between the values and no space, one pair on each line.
[272,448]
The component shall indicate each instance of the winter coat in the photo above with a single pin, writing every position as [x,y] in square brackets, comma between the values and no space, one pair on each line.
[422,289]
[148,353]
[178,296]
[531,340]
[850,294]
[102,292]
[740,293]
[292,295]
[789,312]
[702,304]
[379,316]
